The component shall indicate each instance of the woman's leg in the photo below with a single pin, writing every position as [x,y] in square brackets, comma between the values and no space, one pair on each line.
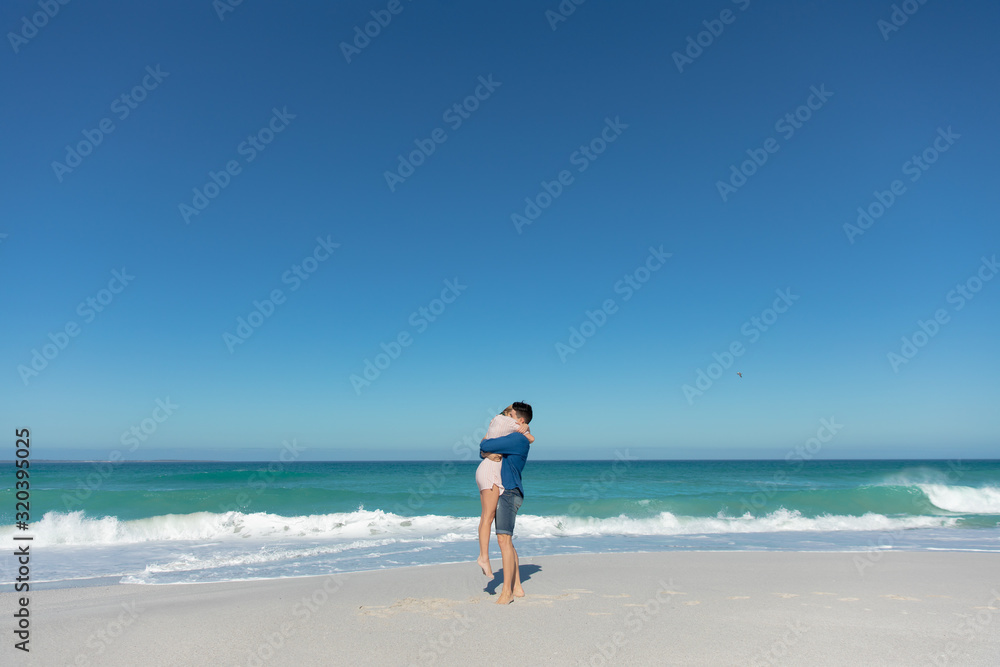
[489,499]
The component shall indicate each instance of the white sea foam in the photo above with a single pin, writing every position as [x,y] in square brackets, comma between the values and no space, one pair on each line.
[75,528]
[665,523]
[268,554]
[983,500]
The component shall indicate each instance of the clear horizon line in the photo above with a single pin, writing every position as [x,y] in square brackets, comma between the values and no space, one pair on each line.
[814,459]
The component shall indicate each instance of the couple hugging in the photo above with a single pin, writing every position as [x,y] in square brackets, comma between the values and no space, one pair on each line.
[504,451]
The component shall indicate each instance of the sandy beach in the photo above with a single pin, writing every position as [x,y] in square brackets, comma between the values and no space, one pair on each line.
[684,608]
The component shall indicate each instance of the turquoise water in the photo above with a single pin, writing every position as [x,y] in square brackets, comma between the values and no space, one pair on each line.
[161,522]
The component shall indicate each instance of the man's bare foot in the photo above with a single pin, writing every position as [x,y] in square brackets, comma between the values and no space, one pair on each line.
[505,598]
[518,592]
[485,564]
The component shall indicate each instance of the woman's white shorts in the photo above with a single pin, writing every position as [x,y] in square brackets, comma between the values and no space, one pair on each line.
[488,474]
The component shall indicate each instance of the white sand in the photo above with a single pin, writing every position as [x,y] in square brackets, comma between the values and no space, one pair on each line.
[928,608]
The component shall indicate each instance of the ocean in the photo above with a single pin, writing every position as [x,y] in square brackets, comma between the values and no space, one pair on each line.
[188,522]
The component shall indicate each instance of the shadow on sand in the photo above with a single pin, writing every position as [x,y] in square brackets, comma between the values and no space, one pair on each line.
[497,581]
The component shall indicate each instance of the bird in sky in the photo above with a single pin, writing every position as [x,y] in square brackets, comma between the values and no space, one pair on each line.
[740,374]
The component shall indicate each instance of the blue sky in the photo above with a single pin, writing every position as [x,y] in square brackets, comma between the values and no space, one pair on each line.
[831,104]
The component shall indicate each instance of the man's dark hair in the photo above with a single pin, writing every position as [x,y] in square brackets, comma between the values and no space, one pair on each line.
[522,410]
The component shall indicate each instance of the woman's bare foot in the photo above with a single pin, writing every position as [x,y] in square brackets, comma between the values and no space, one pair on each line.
[505,598]
[485,564]
[518,591]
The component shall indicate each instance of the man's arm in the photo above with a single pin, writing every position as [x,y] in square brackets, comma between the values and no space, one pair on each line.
[515,443]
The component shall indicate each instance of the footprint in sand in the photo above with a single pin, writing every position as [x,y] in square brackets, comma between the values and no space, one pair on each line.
[549,599]
[818,593]
[620,595]
[900,597]
[738,597]
[692,603]
[786,595]
[438,607]
[566,596]
[848,599]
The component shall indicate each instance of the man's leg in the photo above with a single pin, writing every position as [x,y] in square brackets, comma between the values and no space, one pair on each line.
[509,556]
[517,590]
[507,508]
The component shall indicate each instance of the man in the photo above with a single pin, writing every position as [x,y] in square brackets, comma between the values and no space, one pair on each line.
[515,448]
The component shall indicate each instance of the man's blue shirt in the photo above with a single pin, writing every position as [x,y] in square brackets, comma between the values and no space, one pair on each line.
[515,448]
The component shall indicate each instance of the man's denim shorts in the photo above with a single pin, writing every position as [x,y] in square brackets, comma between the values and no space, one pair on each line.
[510,502]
